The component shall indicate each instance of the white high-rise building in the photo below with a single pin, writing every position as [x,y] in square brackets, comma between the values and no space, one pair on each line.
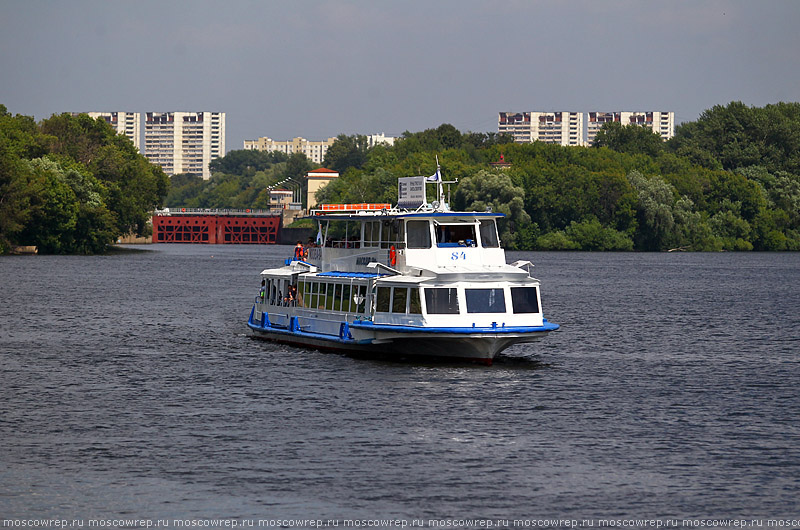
[516,124]
[662,123]
[564,128]
[127,123]
[184,142]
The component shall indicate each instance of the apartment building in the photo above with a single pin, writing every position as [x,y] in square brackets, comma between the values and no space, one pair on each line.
[516,124]
[184,142]
[381,138]
[571,128]
[126,123]
[564,128]
[314,151]
[662,123]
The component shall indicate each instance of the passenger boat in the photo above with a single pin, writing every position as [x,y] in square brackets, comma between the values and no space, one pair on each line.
[402,283]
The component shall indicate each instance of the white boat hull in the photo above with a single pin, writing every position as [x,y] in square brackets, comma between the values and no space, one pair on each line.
[403,342]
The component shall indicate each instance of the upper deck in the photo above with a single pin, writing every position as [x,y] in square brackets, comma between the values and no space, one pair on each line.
[410,243]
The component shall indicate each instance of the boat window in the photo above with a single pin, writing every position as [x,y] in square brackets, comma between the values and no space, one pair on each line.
[346,298]
[399,298]
[326,302]
[442,301]
[489,234]
[455,235]
[372,233]
[524,300]
[361,299]
[382,301]
[414,305]
[389,233]
[419,234]
[485,301]
[337,297]
[311,298]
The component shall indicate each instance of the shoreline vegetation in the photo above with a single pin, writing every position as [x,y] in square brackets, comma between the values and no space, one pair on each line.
[728,181]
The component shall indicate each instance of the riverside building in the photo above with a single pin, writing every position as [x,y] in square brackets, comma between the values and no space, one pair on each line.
[184,142]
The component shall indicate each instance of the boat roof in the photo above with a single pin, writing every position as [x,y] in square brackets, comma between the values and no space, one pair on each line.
[369,215]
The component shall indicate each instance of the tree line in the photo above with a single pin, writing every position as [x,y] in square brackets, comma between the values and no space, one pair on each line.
[728,181]
[72,185]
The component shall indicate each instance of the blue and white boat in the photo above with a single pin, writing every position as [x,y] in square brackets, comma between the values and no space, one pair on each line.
[402,283]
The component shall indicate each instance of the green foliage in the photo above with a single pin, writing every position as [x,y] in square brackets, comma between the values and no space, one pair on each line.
[247,184]
[246,162]
[346,152]
[737,136]
[631,139]
[494,191]
[71,184]
[632,192]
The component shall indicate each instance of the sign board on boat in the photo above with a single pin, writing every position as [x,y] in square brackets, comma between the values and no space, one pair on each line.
[411,192]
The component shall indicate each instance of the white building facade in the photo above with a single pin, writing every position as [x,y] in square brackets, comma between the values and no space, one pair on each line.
[184,142]
[564,128]
[125,123]
[314,151]
[577,128]
[662,123]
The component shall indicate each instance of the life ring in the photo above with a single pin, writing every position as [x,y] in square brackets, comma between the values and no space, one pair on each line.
[183,209]
[392,256]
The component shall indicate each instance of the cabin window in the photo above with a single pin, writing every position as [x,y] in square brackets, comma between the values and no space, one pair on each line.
[419,234]
[441,301]
[346,298]
[337,297]
[524,300]
[485,301]
[311,299]
[389,233]
[414,305]
[489,234]
[361,298]
[382,300]
[329,297]
[372,233]
[455,235]
[322,296]
[399,297]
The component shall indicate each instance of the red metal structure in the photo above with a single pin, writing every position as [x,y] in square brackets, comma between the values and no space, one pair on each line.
[190,225]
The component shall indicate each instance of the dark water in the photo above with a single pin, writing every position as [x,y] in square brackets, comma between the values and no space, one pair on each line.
[129,387]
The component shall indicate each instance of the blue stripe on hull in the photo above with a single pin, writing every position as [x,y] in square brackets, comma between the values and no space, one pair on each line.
[481,344]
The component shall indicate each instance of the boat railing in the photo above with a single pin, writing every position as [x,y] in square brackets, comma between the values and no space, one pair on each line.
[214,211]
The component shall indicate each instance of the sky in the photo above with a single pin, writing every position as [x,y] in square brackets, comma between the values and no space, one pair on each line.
[319,68]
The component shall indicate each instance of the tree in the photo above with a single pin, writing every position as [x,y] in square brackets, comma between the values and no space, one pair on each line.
[346,152]
[654,211]
[495,191]
[246,162]
[632,139]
